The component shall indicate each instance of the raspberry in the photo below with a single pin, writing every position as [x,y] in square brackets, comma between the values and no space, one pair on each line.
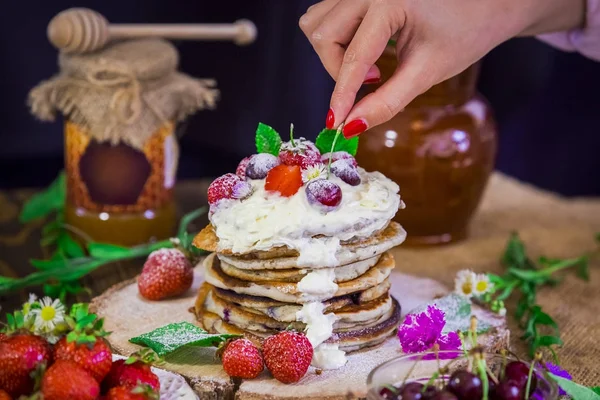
[284,179]
[324,194]
[241,168]
[302,152]
[228,186]
[339,155]
[344,170]
[260,164]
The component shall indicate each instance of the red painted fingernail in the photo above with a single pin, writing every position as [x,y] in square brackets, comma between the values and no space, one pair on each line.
[371,81]
[330,120]
[354,128]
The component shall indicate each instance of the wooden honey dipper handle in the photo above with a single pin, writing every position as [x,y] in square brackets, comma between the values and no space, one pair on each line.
[81,30]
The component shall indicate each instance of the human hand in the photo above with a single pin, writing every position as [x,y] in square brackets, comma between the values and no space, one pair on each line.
[435,40]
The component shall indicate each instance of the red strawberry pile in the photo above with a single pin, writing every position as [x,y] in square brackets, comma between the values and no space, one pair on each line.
[78,367]
[287,356]
[285,168]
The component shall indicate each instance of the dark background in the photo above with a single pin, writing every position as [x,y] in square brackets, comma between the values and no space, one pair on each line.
[546,102]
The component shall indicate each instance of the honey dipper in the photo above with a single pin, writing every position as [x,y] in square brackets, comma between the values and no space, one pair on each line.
[81,30]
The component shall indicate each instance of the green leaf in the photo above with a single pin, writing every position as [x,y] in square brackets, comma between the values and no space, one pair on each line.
[168,338]
[543,319]
[267,140]
[549,340]
[70,247]
[514,255]
[596,389]
[44,203]
[107,251]
[575,390]
[325,141]
[48,264]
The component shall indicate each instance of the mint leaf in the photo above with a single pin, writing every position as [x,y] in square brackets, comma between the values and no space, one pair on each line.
[576,391]
[267,140]
[107,251]
[168,338]
[44,203]
[596,389]
[69,246]
[325,141]
[514,254]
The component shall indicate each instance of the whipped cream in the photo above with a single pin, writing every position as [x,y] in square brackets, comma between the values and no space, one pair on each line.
[319,326]
[329,356]
[318,285]
[266,219]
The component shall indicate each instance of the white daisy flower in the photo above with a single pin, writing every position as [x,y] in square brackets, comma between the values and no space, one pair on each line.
[463,284]
[313,172]
[49,315]
[482,284]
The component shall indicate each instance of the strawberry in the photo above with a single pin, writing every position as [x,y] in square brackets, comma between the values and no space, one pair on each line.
[166,273]
[287,355]
[339,155]
[4,395]
[95,357]
[242,359]
[299,152]
[228,186]
[20,355]
[284,179]
[241,168]
[67,380]
[3,337]
[140,392]
[136,369]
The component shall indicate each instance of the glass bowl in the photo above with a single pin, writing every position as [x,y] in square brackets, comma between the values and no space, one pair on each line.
[407,369]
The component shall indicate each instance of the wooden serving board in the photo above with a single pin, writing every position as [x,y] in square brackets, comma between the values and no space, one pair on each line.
[127,315]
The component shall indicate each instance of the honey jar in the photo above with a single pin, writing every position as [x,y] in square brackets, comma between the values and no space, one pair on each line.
[121,107]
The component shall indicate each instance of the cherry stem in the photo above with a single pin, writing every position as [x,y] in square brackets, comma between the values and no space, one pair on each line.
[531,367]
[335,138]
[481,366]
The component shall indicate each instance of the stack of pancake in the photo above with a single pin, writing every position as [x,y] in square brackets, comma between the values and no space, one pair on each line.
[258,293]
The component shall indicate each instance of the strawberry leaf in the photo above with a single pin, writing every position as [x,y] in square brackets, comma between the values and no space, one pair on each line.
[325,140]
[171,337]
[267,140]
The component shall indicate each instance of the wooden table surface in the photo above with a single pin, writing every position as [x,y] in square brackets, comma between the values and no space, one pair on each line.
[549,225]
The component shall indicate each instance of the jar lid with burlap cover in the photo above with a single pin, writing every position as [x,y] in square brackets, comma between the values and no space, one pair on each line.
[124,92]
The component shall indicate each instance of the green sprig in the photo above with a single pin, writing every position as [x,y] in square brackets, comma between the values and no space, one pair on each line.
[524,277]
[60,274]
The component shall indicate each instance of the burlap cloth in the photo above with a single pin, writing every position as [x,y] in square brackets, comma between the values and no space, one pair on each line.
[124,92]
[548,224]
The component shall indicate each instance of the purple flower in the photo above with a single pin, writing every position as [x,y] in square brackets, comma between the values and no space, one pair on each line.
[558,371]
[420,332]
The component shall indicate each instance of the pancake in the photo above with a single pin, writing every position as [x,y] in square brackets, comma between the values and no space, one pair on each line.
[342,273]
[367,314]
[285,258]
[288,291]
[348,340]
[287,312]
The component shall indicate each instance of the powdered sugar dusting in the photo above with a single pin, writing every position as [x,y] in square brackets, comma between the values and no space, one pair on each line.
[339,155]
[168,256]
[260,164]
[347,172]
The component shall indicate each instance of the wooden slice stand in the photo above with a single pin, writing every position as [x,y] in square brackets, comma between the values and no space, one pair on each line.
[127,314]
